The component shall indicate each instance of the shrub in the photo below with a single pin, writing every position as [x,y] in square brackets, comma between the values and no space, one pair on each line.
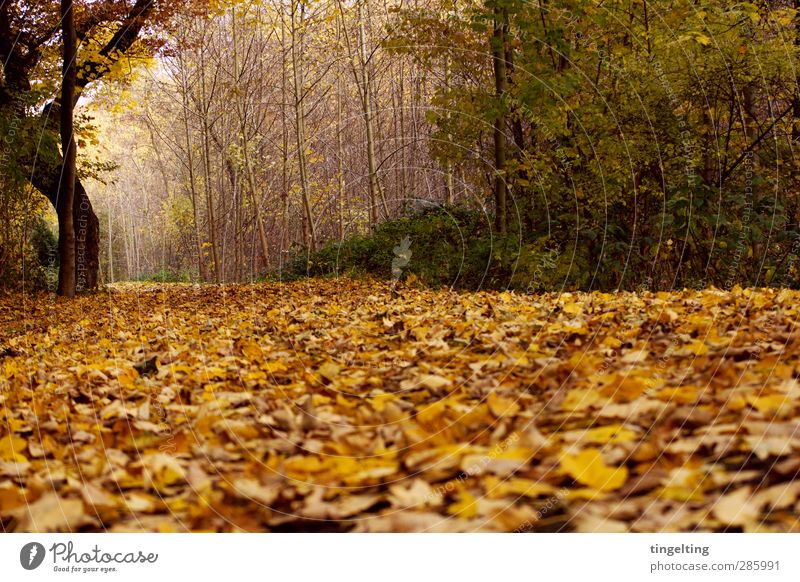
[451,246]
[165,276]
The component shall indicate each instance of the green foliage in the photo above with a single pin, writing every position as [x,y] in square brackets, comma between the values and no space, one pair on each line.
[44,242]
[43,261]
[29,257]
[26,240]
[455,247]
[449,246]
[646,135]
[165,276]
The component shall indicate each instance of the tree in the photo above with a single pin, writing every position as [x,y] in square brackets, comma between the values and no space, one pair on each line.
[297,31]
[362,66]
[106,32]
[500,26]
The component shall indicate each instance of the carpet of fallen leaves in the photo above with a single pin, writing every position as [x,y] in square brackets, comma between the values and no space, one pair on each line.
[358,406]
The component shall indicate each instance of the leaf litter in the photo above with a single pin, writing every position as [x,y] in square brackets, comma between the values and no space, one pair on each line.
[354,405]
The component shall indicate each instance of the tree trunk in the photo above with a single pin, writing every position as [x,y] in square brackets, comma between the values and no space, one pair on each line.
[87,240]
[248,168]
[340,185]
[285,240]
[187,134]
[86,226]
[449,185]
[110,277]
[796,100]
[212,223]
[309,230]
[795,168]
[375,191]
[66,191]
[500,81]
[401,99]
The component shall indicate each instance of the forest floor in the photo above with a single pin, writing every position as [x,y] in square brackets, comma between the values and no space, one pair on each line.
[353,405]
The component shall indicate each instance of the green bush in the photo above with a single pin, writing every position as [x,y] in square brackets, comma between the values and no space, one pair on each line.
[35,263]
[451,246]
[43,267]
[165,276]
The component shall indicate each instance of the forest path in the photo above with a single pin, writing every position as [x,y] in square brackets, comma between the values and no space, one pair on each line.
[356,405]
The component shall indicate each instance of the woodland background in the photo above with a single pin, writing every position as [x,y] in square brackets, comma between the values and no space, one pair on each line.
[536,145]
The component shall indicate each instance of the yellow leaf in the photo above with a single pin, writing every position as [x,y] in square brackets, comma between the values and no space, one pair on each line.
[777,404]
[682,494]
[624,388]
[588,468]
[496,487]
[702,39]
[500,406]
[431,412]
[11,497]
[678,395]
[329,371]
[697,348]
[342,401]
[250,349]
[271,367]
[615,433]
[304,465]
[162,470]
[379,402]
[584,494]
[466,507]
[577,400]
[434,382]
[12,447]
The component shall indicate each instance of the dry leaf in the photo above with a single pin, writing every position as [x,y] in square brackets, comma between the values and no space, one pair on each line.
[52,513]
[588,467]
[471,411]
[737,508]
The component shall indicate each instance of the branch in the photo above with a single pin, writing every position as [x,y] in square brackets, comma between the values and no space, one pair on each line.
[122,40]
[727,173]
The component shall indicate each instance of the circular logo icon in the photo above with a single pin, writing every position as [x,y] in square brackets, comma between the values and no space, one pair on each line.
[31,555]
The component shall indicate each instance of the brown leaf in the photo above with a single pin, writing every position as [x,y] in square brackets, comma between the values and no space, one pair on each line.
[52,513]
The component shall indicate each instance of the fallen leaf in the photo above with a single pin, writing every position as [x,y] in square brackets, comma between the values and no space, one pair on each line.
[738,508]
[587,467]
[252,489]
[500,406]
[52,513]
[466,507]
[12,447]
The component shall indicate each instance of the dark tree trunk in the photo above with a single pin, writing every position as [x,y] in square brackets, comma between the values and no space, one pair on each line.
[67,271]
[87,240]
[794,203]
[46,179]
[796,100]
[500,80]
